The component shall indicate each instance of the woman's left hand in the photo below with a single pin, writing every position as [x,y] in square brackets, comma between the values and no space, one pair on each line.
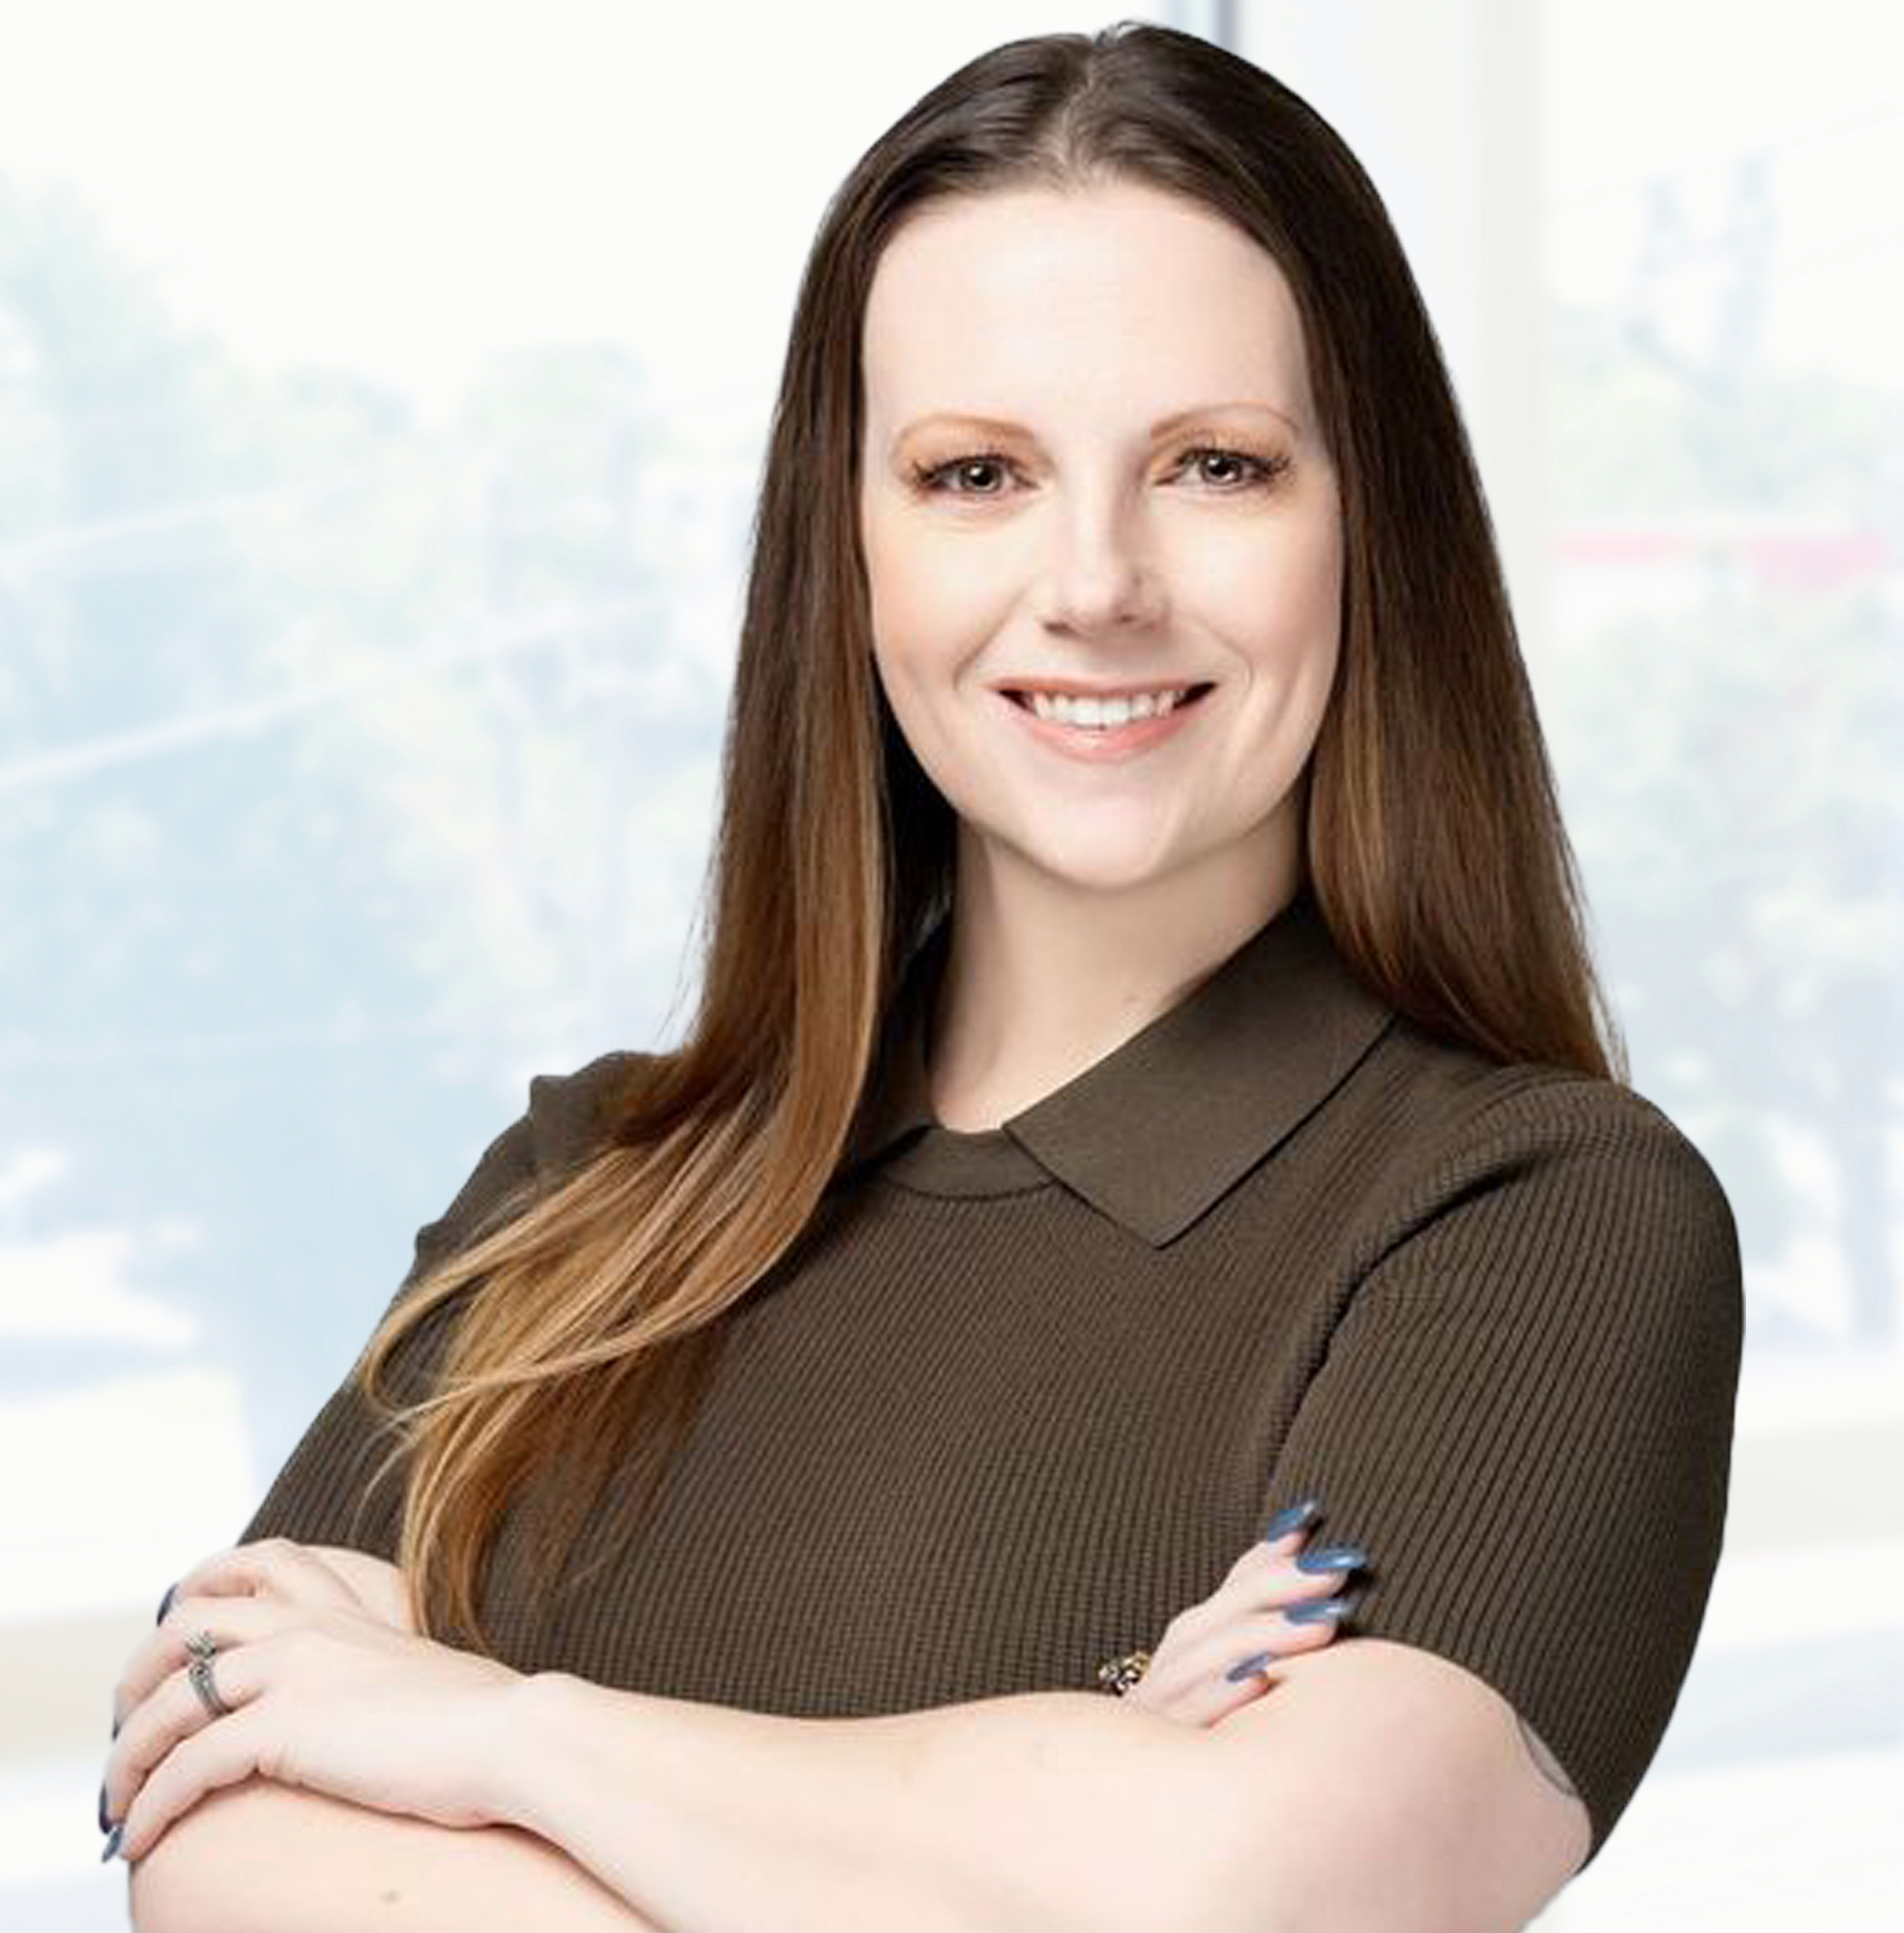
[324,1695]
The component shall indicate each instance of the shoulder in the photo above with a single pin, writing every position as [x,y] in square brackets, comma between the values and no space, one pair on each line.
[573,1115]
[1552,1112]
[1604,1143]
[1554,1202]
[1529,1133]
[570,1117]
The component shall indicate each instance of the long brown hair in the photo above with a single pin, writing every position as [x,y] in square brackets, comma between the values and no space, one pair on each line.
[588,1319]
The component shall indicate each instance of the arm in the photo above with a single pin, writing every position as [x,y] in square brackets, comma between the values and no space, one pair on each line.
[1474,1824]
[259,1857]
[1046,1812]
[570,1804]
[1526,1413]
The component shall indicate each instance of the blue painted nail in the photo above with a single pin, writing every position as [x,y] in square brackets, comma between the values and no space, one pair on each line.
[111,1843]
[1331,1557]
[165,1604]
[1292,1519]
[1255,1663]
[105,1817]
[1318,1608]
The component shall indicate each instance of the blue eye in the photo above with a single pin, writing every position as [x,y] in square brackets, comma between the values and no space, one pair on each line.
[935,479]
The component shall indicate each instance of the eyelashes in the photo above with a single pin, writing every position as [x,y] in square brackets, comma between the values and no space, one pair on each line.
[1259,471]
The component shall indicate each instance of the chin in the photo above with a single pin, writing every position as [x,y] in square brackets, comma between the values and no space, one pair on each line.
[1100,873]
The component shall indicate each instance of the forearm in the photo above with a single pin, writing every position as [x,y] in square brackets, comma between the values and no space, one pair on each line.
[259,1857]
[1045,1811]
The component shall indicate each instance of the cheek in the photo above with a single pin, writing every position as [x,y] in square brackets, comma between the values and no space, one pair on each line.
[1284,614]
[892,575]
[924,606]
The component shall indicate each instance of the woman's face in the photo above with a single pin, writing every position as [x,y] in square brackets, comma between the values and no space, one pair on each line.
[1080,537]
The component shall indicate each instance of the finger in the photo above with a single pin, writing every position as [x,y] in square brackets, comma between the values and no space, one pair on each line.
[1286,1535]
[172,1712]
[1298,1519]
[214,1755]
[377,1582]
[271,1567]
[231,1620]
[1265,1577]
[1270,1642]
[1268,1555]
[1285,1561]
[1193,1683]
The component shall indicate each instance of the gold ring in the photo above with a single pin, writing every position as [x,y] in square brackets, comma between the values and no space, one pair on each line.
[1121,1673]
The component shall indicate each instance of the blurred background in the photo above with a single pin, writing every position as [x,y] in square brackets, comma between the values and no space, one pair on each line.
[382,390]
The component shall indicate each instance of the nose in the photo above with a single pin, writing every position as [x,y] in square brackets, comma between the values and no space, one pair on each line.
[1098,573]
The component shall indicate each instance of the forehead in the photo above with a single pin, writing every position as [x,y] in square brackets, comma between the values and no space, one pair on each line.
[1122,297]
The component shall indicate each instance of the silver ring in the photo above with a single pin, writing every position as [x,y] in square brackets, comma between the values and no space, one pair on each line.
[204,1647]
[201,1683]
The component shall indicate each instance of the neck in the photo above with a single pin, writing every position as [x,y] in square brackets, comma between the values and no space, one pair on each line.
[1043,978]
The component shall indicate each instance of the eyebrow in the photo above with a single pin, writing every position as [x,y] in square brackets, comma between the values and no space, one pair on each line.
[1000,425]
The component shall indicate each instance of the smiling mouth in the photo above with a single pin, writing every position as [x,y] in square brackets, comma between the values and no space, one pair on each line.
[1192,695]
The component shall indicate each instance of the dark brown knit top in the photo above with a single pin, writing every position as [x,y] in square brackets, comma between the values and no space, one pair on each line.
[1031,1390]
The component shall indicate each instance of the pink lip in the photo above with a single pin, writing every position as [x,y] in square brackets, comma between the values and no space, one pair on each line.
[1099,746]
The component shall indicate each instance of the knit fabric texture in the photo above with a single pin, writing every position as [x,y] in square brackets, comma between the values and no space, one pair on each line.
[1020,1396]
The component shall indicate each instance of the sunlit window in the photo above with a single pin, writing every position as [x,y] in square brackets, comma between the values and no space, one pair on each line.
[378,438]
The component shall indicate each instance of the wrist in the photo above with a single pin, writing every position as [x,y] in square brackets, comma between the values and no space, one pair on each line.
[533,1748]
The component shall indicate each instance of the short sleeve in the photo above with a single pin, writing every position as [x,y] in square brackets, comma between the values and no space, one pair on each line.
[1525,1418]
[324,1493]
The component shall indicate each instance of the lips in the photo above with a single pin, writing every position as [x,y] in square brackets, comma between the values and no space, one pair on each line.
[1193,692]
[1107,745]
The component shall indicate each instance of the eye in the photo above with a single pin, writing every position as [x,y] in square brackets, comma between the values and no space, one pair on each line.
[937,480]
[933,481]
[1256,470]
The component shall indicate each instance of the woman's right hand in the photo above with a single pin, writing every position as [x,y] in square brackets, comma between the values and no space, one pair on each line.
[1246,1615]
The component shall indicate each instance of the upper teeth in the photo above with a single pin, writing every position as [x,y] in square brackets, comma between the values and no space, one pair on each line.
[1103,711]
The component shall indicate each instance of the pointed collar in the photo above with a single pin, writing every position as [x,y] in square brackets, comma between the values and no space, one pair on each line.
[1163,1124]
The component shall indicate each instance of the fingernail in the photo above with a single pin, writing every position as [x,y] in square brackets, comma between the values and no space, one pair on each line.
[1319,1609]
[1331,1557]
[111,1843]
[165,1604]
[1292,1519]
[105,1818]
[1248,1665]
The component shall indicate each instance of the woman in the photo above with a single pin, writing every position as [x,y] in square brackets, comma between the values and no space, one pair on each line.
[1107,1125]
